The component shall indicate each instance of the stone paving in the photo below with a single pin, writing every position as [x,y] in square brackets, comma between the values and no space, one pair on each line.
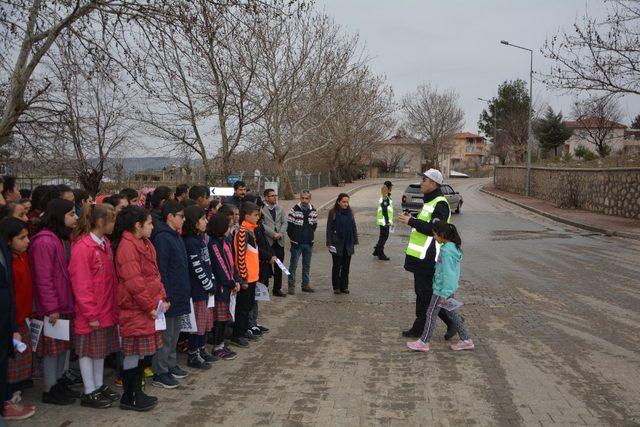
[554,312]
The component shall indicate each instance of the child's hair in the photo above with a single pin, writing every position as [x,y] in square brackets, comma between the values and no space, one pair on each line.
[227,209]
[36,196]
[170,207]
[180,190]
[192,215]
[90,216]
[199,191]
[114,199]
[188,202]
[159,195]
[53,218]
[80,195]
[127,220]
[129,193]
[384,191]
[11,227]
[25,193]
[448,232]
[218,225]
[248,208]
[7,210]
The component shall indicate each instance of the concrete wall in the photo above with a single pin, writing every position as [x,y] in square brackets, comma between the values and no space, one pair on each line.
[614,191]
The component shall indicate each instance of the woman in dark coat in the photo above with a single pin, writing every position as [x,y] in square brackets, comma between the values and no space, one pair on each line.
[342,236]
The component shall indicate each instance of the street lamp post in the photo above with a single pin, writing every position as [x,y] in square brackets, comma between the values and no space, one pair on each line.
[495,131]
[529,131]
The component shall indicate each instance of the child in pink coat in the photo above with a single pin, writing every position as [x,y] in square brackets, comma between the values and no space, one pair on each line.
[94,282]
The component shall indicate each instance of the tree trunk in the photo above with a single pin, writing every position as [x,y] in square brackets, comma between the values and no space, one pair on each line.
[90,181]
[286,189]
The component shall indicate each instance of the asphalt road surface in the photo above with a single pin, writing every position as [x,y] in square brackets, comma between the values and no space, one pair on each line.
[554,312]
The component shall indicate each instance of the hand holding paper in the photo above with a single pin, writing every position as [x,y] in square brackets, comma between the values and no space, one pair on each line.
[282,267]
[58,330]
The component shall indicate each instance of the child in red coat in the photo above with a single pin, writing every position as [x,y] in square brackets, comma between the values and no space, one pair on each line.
[94,281]
[140,294]
[16,234]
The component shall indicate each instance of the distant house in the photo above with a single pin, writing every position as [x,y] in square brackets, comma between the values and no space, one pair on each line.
[400,153]
[632,142]
[615,136]
[468,148]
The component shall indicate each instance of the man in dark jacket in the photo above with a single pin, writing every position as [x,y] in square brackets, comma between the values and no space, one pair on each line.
[239,194]
[174,272]
[422,251]
[302,224]
[8,325]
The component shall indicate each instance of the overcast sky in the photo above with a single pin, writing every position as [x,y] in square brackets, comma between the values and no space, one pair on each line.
[456,44]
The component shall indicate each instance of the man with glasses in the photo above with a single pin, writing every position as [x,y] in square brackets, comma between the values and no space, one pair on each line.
[302,224]
[275,228]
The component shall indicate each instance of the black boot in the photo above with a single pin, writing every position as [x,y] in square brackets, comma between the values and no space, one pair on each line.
[383,257]
[133,397]
[376,251]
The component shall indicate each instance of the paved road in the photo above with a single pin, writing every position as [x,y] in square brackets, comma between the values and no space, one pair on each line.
[554,312]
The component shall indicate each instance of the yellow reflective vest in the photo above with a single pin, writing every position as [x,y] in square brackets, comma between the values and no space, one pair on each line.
[380,215]
[419,243]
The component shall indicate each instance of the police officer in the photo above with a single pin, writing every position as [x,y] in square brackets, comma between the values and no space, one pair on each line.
[384,220]
[423,249]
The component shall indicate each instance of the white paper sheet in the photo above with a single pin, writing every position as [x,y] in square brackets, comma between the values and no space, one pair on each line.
[262,292]
[211,302]
[161,321]
[59,331]
[188,321]
[282,267]
[392,229]
[232,306]
[35,330]
[451,304]
[333,249]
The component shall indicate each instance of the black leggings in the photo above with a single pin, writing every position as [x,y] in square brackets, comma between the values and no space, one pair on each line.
[382,239]
[340,272]
[219,329]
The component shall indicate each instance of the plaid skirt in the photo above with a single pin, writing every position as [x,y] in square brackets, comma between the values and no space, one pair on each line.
[50,346]
[20,363]
[98,344]
[204,317]
[222,312]
[143,345]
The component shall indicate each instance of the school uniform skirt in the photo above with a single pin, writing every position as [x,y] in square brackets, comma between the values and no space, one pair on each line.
[204,316]
[51,346]
[99,343]
[222,312]
[20,364]
[142,345]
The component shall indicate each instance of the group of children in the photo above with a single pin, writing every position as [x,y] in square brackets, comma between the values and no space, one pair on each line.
[127,279]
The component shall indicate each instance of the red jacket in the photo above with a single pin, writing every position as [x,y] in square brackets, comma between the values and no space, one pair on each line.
[22,287]
[94,281]
[139,285]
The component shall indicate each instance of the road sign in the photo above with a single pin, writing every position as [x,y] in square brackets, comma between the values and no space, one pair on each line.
[232,179]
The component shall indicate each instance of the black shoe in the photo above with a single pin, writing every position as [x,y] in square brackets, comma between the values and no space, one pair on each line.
[195,361]
[95,400]
[251,336]
[57,395]
[75,394]
[345,291]
[383,257]
[239,342]
[107,392]
[133,397]
[375,252]
[410,333]
[178,372]
[256,331]
[264,329]
[279,294]
[208,357]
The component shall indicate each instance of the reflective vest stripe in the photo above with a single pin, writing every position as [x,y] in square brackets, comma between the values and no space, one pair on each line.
[419,243]
[380,215]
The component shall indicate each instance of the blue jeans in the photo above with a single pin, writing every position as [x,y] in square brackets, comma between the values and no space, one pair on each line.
[296,250]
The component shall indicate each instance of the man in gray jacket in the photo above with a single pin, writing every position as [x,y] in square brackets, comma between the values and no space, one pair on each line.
[275,228]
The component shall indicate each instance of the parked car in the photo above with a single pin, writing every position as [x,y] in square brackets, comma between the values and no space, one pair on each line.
[412,198]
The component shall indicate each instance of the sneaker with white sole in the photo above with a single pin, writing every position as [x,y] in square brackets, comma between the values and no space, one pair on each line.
[418,346]
[463,345]
[17,411]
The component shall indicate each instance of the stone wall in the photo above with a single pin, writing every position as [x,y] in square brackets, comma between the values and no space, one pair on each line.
[614,191]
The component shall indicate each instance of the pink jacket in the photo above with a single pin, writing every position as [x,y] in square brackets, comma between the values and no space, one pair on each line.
[94,281]
[51,283]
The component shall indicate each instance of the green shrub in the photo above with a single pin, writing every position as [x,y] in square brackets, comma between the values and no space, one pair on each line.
[585,153]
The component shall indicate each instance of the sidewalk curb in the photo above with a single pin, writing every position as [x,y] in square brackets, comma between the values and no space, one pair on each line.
[562,219]
[350,193]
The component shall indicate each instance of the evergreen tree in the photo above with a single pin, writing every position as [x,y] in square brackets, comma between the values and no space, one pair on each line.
[551,131]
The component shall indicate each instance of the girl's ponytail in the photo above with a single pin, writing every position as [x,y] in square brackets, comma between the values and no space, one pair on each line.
[84,222]
[448,232]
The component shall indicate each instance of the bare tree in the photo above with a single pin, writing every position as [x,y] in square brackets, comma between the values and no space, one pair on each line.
[433,116]
[390,157]
[302,60]
[600,53]
[366,105]
[597,118]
